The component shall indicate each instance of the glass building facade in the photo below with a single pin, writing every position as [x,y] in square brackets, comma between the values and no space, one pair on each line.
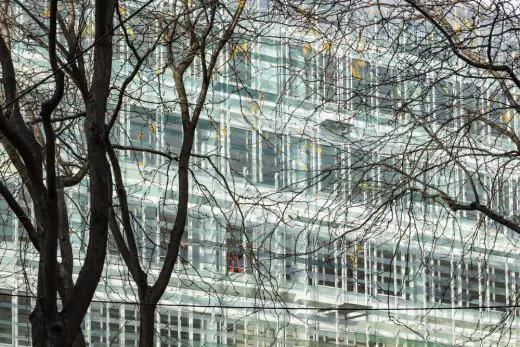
[292,122]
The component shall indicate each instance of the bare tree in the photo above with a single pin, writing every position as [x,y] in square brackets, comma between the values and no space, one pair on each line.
[415,123]
[188,33]
[373,155]
[35,154]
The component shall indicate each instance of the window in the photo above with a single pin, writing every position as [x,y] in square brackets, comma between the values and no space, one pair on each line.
[295,84]
[143,133]
[498,106]
[360,71]
[207,140]
[329,168]
[403,273]
[300,160]
[98,323]
[442,280]
[385,273]
[444,103]
[7,222]
[174,327]
[471,97]
[389,178]
[113,324]
[322,270]
[197,233]
[504,197]
[185,327]
[310,76]
[349,266]
[329,75]
[184,249]
[272,158]
[164,239]
[412,36]
[514,284]
[24,310]
[361,178]
[325,267]
[469,285]
[388,90]
[173,133]
[360,268]
[515,187]
[235,249]
[6,317]
[499,289]
[130,328]
[469,194]
[120,48]
[241,152]
[164,329]
[419,96]
[137,30]
[240,63]
[196,328]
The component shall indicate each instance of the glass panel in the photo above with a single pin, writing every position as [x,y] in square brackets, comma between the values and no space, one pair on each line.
[241,153]
[329,169]
[444,99]
[295,69]
[329,74]
[173,133]
[300,160]
[24,310]
[272,158]
[240,63]
[387,89]
[360,70]
[6,317]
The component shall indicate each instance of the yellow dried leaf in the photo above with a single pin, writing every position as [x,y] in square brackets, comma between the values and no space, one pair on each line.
[90,30]
[506,117]
[153,127]
[307,48]
[357,66]
[327,46]
[254,107]
[239,48]
[457,27]
[468,23]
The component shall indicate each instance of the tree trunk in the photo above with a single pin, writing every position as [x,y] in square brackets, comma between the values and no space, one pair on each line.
[46,333]
[79,341]
[147,319]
